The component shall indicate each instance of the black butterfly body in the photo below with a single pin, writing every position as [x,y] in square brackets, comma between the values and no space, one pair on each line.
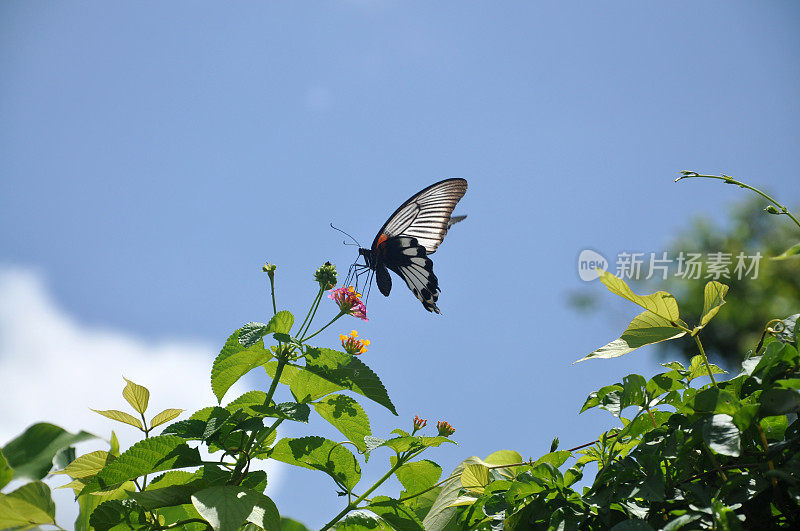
[410,236]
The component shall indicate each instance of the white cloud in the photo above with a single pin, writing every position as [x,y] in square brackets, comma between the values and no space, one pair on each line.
[54,369]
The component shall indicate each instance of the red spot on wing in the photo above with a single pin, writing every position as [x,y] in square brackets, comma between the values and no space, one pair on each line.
[379,249]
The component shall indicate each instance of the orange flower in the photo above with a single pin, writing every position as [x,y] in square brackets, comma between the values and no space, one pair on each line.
[352,345]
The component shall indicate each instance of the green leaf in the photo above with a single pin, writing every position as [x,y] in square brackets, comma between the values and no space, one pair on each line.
[349,372]
[714,400]
[286,410]
[89,464]
[227,507]
[554,459]
[661,303]
[137,396]
[121,416]
[359,520]
[634,391]
[165,416]
[110,514]
[442,512]
[347,416]
[418,475]
[395,514]
[403,444]
[791,329]
[282,322]
[155,454]
[247,401]
[287,524]
[713,299]
[791,252]
[646,328]
[171,495]
[250,333]
[31,454]
[722,435]
[6,472]
[29,505]
[234,361]
[475,478]
[305,385]
[779,402]
[318,453]
[774,427]
[698,368]
[634,524]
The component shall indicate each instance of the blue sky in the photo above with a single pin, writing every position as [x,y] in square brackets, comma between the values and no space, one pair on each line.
[154,155]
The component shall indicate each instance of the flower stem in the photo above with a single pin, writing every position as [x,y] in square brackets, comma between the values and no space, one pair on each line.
[311,309]
[353,505]
[705,360]
[731,180]
[324,327]
[272,292]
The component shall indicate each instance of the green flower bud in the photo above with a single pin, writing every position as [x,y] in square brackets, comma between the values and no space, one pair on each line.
[772,210]
[269,269]
[326,276]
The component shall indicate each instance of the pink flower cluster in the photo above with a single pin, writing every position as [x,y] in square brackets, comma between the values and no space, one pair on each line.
[349,302]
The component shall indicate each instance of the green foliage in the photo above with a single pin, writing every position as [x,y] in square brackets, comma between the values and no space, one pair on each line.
[187,492]
[686,452]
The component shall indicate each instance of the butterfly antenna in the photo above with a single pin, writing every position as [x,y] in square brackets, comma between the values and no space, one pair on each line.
[346,234]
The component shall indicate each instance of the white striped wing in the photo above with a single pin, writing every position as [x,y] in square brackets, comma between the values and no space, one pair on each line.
[426,216]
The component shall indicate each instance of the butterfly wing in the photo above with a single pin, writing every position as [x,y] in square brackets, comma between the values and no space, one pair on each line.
[426,216]
[408,259]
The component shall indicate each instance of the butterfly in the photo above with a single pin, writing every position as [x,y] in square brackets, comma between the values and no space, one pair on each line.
[409,237]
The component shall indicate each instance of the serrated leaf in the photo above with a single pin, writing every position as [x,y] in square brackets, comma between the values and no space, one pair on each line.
[305,385]
[347,416]
[89,464]
[791,252]
[722,435]
[281,323]
[31,453]
[227,507]
[166,496]
[250,333]
[29,505]
[163,452]
[137,396]
[234,361]
[165,416]
[286,410]
[109,514]
[120,416]
[660,303]
[646,328]
[417,476]
[403,444]
[246,402]
[318,453]
[350,373]
[713,299]
[395,513]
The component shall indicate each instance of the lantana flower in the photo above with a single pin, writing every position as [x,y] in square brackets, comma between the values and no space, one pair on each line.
[353,345]
[349,302]
[445,429]
[419,423]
